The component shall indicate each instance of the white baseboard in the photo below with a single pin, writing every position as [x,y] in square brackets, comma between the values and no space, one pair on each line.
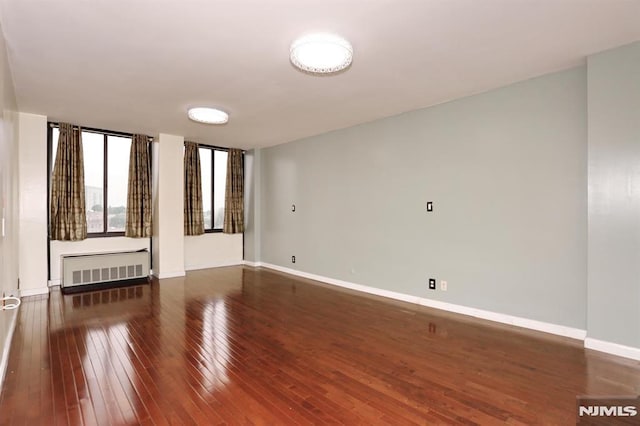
[253,264]
[4,357]
[54,283]
[213,265]
[612,348]
[34,291]
[174,274]
[559,330]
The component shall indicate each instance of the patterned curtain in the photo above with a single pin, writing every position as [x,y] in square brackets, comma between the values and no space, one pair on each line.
[139,211]
[234,194]
[68,214]
[193,212]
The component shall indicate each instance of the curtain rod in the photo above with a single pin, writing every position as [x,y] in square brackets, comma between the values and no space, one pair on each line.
[95,130]
[53,124]
[219,148]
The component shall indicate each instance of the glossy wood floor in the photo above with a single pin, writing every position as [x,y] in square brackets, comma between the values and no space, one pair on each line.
[249,346]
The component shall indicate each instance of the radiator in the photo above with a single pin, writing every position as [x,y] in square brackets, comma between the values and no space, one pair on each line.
[104,267]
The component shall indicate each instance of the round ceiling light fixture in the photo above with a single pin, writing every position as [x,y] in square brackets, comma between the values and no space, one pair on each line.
[208,115]
[321,53]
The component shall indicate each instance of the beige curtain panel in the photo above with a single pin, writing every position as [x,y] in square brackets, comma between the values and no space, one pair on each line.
[234,194]
[193,212]
[139,214]
[67,213]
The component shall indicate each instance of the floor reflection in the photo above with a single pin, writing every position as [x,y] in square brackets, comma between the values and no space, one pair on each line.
[112,306]
[214,351]
[109,352]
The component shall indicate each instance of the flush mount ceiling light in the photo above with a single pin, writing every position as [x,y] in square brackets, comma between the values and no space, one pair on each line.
[208,115]
[321,53]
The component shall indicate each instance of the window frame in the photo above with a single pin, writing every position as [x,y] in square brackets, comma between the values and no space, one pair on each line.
[105,210]
[212,150]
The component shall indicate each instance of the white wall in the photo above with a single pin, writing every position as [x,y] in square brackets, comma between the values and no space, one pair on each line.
[9,203]
[172,251]
[168,228]
[155,177]
[212,250]
[9,181]
[91,245]
[33,204]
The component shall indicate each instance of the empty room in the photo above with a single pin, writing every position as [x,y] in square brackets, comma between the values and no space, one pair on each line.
[353,212]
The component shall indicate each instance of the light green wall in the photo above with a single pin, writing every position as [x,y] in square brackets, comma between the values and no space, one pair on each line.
[614,196]
[252,163]
[507,171]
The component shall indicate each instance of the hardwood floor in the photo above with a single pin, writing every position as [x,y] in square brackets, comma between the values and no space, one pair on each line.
[250,346]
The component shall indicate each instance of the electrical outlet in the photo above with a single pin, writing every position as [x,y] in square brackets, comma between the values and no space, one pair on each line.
[443,285]
[432,283]
[293,259]
[429,206]
[293,207]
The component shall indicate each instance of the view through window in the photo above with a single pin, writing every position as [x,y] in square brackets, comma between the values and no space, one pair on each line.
[106,172]
[213,166]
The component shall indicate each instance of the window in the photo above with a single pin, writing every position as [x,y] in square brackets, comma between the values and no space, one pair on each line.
[106,177]
[213,166]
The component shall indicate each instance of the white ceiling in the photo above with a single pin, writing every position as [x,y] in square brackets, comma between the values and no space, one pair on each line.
[137,65]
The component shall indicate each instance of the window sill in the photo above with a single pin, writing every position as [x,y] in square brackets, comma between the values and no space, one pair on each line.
[105,234]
